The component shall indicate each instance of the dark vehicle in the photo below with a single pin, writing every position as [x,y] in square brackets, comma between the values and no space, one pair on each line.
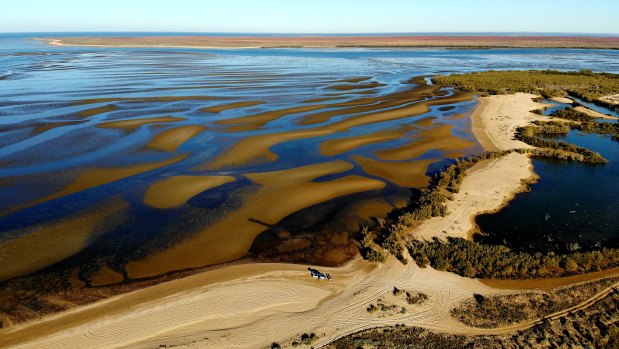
[319,275]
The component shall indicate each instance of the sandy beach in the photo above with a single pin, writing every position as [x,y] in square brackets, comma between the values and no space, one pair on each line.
[252,306]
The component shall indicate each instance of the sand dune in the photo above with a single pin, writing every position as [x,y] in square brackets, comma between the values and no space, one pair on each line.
[495,121]
[490,184]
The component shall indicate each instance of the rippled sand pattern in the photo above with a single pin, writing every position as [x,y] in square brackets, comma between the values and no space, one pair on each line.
[206,153]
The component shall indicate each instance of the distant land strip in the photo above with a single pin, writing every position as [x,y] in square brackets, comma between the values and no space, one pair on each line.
[454,41]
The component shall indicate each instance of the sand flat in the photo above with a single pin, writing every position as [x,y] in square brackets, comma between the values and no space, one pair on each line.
[96,111]
[45,244]
[93,177]
[343,41]
[177,190]
[342,145]
[259,211]
[410,174]
[437,138]
[255,149]
[236,105]
[170,140]
[135,123]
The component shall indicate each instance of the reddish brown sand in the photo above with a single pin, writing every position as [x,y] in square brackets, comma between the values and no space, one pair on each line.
[346,41]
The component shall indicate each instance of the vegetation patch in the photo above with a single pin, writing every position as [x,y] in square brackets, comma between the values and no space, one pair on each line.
[584,84]
[475,260]
[530,134]
[594,327]
[507,309]
[306,339]
[391,233]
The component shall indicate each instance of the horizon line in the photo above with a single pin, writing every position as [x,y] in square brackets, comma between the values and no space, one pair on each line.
[316,33]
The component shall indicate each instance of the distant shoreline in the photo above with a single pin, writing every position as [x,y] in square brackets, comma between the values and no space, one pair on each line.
[317,41]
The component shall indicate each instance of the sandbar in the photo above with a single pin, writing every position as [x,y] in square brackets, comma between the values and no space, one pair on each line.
[176,190]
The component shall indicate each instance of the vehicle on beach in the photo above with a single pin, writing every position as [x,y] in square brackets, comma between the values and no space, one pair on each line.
[319,275]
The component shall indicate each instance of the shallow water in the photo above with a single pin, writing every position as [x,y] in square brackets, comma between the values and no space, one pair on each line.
[197,157]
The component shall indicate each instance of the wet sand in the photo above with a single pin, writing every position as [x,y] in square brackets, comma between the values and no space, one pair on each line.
[260,210]
[94,177]
[170,140]
[342,145]
[223,107]
[411,174]
[135,123]
[343,41]
[437,138]
[548,284]
[45,244]
[255,149]
[177,190]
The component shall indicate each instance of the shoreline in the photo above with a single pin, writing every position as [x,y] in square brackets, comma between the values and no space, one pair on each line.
[343,41]
[490,184]
[253,305]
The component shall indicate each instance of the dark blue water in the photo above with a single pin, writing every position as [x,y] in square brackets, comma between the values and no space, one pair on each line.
[573,206]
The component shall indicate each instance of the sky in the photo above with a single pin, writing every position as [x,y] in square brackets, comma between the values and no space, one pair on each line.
[315,16]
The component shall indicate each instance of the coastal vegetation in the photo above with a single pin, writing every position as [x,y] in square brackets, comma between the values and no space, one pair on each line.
[583,84]
[475,260]
[507,309]
[530,134]
[391,233]
[586,123]
[594,327]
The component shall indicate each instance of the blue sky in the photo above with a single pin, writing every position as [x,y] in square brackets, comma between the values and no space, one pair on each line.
[315,16]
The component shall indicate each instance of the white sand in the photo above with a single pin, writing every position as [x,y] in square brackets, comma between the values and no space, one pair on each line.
[490,184]
[595,114]
[562,100]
